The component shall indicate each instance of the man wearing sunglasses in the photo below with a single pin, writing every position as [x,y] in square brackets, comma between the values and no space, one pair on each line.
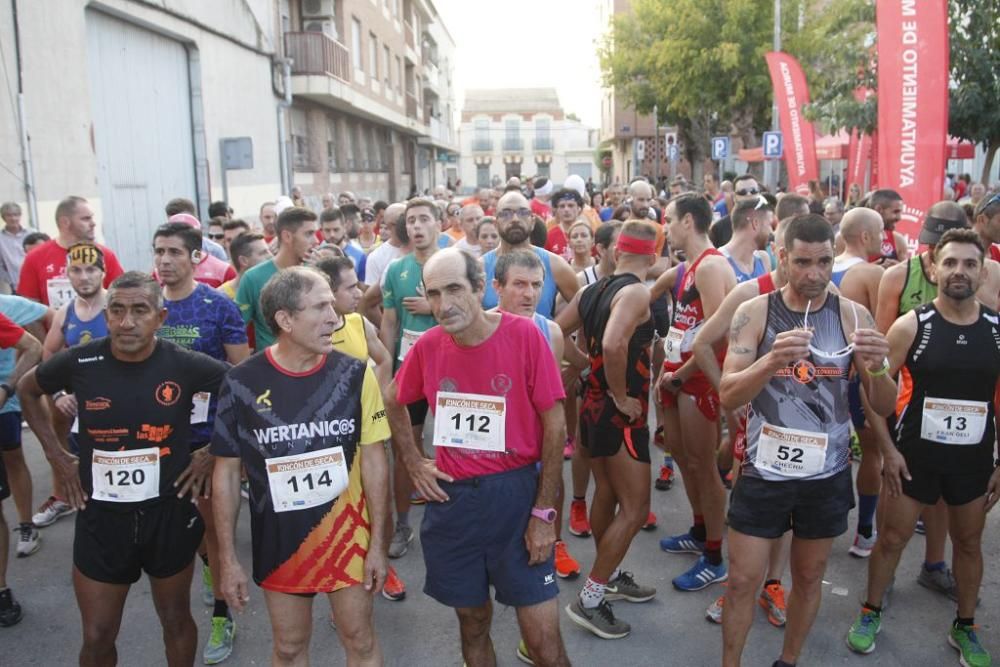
[745,188]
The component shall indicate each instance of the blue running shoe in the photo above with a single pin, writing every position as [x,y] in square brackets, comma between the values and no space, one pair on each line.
[682,544]
[702,574]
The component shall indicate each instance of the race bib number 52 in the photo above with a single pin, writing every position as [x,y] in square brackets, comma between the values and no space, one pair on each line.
[472,421]
[789,452]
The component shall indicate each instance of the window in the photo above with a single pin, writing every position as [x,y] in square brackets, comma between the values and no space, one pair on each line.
[356,45]
[388,69]
[373,56]
[352,145]
[482,175]
[481,140]
[300,140]
[542,170]
[543,134]
[361,144]
[331,143]
[512,134]
[399,76]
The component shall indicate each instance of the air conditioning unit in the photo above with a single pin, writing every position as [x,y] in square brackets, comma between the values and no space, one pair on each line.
[328,28]
[313,9]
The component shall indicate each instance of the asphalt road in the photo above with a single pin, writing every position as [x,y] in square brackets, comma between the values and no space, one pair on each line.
[669,630]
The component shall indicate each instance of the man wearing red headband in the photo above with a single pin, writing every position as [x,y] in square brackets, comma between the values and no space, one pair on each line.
[618,329]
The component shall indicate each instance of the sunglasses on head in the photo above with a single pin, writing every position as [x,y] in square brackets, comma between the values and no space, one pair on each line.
[986,203]
[743,192]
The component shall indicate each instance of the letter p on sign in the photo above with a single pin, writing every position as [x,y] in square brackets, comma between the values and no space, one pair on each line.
[772,145]
[720,148]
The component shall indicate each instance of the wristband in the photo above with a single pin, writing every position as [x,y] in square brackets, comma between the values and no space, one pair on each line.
[880,372]
[59,394]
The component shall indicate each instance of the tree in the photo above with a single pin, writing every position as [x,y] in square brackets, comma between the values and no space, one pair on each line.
[701,62]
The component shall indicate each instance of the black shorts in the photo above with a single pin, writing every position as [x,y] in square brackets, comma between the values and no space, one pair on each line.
[116,546]
[660,309]
[812,509]
[957,488]
[418,412]
[476,540]
[10,431]
[605,440]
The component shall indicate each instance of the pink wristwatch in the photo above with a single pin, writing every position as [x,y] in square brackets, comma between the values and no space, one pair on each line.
[546,514]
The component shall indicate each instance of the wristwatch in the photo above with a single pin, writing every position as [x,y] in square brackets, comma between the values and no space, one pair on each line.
[546,514]
[676,382]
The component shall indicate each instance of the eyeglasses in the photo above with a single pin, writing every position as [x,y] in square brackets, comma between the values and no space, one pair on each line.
[743,192]
[842,352]
[986,203]
[216,237]
[508,214]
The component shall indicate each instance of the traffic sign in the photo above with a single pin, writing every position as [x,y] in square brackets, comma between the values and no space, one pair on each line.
[640,149]
[720,148]
[674,153]
[773,145]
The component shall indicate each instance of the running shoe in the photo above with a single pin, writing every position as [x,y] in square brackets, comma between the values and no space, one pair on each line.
[856,452]
[772,600]
[566,565]
[682,544]
[28,539]
[568,449]
[714,611]
[579,525]
[727,481]
[417,499]
[624,587]
[522,653]
[940,581]
[650,522]
[400,543]
[51,511]
[665,480]
[862,547]
[964,640]
[207,596]
[920,529]
[600,620]
[861,636]
[394,589]
[701,575]
[10,610]
[220,642]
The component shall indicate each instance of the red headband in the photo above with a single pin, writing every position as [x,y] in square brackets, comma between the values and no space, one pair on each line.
[636,246]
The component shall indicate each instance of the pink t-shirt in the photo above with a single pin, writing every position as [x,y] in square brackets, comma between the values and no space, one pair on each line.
[515,362]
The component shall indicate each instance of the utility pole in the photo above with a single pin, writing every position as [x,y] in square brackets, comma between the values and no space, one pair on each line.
[773,167]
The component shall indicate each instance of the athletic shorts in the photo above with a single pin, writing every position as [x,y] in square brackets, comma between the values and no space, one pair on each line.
[476,540]
[116,546]
[660,310]
[813,509]
[857,409]
[697,387]
[418,412]
[928,485]
[10,431]
[603,440]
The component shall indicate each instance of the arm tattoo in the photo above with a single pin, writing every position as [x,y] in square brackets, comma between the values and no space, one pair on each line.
[741,321]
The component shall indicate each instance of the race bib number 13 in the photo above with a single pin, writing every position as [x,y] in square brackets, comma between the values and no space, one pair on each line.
[472,421]
[950,421]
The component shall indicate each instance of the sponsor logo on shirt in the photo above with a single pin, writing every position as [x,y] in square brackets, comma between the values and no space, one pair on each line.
[87,360]
[263,401]
[501,384]
[275,434]
[97,404]
[155,434]
[378,416]
[168,393]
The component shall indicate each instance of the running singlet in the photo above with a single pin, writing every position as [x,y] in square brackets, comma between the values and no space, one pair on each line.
[350,337]
[543,325]
[688,314]
[404,278]
[945,405]
[300,437]
[917,286]
[78,332]
[547,303]
[598,407]
[798,426]
[589,275]
[135,430]
[840,269]
[758,267]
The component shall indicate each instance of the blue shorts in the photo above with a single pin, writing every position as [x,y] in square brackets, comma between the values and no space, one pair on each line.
[10,431]
[857,409]
[476,540]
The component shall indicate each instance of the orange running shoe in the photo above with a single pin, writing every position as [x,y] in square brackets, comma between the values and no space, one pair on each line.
[394,588]
[579,525]
[650,522]
[566,565]
[772,599]
[665,480]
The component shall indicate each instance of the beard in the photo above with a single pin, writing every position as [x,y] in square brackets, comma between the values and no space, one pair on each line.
[514,235]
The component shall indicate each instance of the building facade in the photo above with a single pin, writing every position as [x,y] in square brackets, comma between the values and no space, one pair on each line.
[521,132]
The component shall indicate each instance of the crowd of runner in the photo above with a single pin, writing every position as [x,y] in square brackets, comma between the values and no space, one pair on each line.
[333,368]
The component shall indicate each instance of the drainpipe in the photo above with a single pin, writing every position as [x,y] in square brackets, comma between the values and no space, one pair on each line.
[283,105]
[29,179]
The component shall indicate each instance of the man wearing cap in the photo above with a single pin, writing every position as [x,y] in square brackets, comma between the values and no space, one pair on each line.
[539,204]
[208,269]
[43,274]
[575,182]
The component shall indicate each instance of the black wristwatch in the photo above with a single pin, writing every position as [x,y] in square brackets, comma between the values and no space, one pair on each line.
[7,388]
[676,382]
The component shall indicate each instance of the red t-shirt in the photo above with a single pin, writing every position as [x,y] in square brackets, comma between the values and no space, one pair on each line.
[10,333]
[530,386]
[43,274]
[213,271]
[995,251]
[541,209]
[557,243]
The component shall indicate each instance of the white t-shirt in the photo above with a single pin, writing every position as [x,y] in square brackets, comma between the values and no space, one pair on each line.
[378,260]
[463,244]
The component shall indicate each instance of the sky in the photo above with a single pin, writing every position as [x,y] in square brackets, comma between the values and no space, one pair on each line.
[528,43]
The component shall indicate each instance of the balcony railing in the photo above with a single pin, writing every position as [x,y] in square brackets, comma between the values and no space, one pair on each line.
[513,144]
[316,53]
[482,144]
[543,143]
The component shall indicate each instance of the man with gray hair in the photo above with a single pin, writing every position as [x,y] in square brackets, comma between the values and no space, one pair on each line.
[468,219]
[11,245]
[307,424]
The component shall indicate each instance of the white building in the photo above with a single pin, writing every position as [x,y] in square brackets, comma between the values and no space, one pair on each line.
[521,132]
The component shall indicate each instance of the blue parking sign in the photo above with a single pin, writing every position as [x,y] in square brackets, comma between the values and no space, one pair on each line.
[773,145]
[720,148]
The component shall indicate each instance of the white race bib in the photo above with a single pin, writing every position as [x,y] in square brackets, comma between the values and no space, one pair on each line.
[789,452]
[672,345]
[301,481]
[126,477]
[950,421]
[199,407]
[472,421]
[406,342]
[59,291]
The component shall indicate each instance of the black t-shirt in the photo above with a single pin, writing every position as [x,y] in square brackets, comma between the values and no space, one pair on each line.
[126,406]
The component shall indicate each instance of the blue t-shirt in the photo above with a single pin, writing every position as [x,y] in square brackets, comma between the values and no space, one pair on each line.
[359,258]
[21,311]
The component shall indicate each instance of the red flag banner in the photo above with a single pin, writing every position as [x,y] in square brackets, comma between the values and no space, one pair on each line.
[912,104]
[791,94]
[860,149]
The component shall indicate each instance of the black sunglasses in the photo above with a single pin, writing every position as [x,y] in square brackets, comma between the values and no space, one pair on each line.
[743,192]
[216,237]
[986,203]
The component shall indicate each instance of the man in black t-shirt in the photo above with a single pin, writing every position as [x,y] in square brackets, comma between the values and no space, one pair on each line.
[137,396]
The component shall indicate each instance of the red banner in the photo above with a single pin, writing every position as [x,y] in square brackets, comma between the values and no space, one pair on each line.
[912,104]
[859,151]
[791,93]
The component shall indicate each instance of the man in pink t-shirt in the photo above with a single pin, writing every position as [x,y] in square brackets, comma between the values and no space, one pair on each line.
[496,395]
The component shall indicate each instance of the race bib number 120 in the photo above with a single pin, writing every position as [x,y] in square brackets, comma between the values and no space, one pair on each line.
[126,477]
[472,421]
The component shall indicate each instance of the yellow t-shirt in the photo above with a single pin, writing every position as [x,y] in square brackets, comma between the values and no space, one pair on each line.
[350,338]
[229,289]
